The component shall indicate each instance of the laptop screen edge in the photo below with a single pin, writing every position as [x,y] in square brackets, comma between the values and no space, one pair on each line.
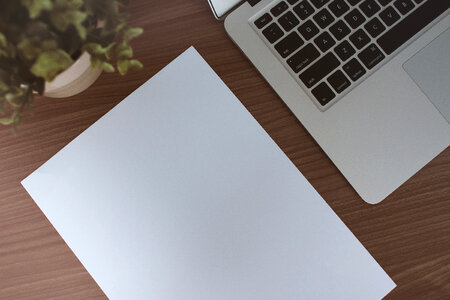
[221,8]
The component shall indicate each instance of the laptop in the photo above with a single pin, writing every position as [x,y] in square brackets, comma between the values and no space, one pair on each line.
[369,79]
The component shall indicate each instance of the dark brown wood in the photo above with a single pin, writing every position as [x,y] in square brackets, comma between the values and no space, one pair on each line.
[408,233]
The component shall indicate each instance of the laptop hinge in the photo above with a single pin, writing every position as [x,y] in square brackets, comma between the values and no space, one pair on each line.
[253,2]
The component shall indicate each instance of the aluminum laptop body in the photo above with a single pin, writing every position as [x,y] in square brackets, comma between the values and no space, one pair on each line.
[389,123]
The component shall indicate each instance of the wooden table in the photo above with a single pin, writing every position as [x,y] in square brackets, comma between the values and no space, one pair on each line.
[408,233]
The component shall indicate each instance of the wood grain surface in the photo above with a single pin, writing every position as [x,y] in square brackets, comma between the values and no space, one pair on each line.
[408,233]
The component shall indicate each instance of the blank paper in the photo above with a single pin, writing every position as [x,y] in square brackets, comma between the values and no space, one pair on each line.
[178,193]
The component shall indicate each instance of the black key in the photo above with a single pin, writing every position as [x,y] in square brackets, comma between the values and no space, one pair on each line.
[303,58]
[369,8]
[292,1]
[405,6]
[323,93]
[374,27]
[354,18]
[338,81]
[273,33]
[339,30]
[319,3]
[324,41]
[319,70]
[288,21]
[353,2]
[344,50]
[389,16]
[418,1]
[359,39]
[323,18]
[263,21]
[371,56]
[289,44]
[385,2]
[308,30]
[412,24]
[354,69]
[303,9]
[338,7]
[279,8]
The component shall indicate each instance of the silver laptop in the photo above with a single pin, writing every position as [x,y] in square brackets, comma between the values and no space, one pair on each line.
[369,79]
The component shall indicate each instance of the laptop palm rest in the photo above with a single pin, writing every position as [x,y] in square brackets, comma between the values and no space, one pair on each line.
[430,70]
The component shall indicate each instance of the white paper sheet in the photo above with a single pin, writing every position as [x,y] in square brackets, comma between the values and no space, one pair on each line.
[178,193]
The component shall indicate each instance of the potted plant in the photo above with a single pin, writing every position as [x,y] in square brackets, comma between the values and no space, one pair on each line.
[58,48]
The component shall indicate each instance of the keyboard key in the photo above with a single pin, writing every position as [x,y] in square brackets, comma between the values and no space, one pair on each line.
[339,30]
[263,21]
[369,8]
[319,3]
[359,39]
[323,93]
[308,30]
[288,21]
[338,81]
[319,70]
[279,8]
[405,6]
[273,33]
[324,41]
[411,25]
[323,18]
[303,58]
[374,27]
[354,69]
[289,44]
[371,56]
[384,2]
[354,2]
[389,16]
[338,7]
[303,9]
[292,1]
[354,18]
[344,50]
[418,1]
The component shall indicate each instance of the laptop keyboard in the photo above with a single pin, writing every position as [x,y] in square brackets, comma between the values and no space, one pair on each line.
[330,46]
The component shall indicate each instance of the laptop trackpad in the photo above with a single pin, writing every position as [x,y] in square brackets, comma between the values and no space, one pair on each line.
[430,69]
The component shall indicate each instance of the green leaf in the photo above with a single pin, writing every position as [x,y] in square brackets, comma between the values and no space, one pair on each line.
[3,42]
[131,33]
[49,44]
[123,2]
[109,50]
[7,120]
[123,51]
[128,65]
[15,97]
[62,19]
[31,51]
[96,49]
[35,7]
[5,49]
[51,63]
[120,26]
[95,62]
[2,105]
[107,67]
[28,50]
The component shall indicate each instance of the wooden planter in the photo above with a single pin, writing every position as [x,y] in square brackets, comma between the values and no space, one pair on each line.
[77,78]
